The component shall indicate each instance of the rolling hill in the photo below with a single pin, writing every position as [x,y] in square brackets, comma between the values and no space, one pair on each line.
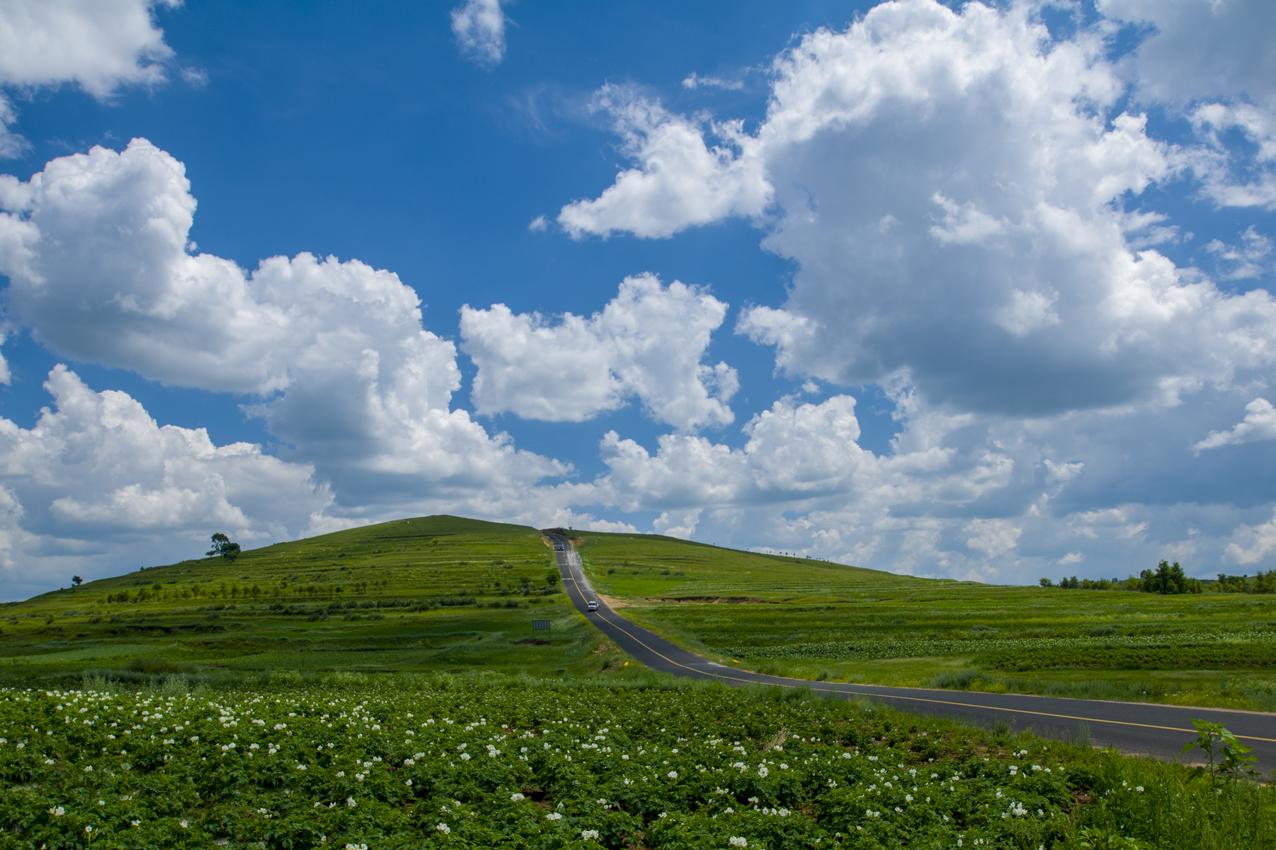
[434,593]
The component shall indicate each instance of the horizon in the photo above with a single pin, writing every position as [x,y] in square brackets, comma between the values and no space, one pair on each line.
[978,292]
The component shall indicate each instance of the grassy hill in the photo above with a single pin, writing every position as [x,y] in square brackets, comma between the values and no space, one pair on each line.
[815,619]
[437,593]
[450,594]
[293,743]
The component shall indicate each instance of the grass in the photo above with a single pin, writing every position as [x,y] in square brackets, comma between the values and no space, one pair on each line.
[809,618]
[449,594]
[431,594]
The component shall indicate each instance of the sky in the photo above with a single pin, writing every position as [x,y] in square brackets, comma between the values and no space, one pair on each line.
[970,290]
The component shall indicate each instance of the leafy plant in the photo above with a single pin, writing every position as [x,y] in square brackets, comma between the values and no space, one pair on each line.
[1227,757]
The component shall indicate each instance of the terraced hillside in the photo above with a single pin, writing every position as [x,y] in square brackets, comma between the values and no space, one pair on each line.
[437,593]
[814,619]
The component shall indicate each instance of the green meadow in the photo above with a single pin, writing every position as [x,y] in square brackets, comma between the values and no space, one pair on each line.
[814,619]
[384,687]
[420,595]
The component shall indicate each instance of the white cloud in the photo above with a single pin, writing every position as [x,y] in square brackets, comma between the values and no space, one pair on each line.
[1252,544]
[97,45]
[695,81]
[538,225]
[96,248]
[1259,424]
[959,193]
[1246,260]
[677,523]
[479,27]
[949,186]
[1218,56]
[994,537]
[1201,48]
[5,375]
[681,181]
[647,342]
[1231,175]
[98,476]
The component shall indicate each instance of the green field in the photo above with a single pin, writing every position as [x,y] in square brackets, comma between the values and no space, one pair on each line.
[438,593]
[360,689]
[405,761]
[815,619]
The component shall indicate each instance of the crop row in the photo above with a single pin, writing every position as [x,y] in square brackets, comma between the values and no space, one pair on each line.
[466,765]
[871,648]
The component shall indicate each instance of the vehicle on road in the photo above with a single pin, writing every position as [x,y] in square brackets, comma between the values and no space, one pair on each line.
[592,605]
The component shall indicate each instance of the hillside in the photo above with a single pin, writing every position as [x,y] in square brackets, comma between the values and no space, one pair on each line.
[435,593]
[814,619]
[450,594]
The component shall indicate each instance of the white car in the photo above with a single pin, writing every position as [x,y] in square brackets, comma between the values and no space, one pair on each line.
[592,605]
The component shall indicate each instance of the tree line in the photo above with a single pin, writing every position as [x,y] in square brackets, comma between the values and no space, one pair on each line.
[1169,579]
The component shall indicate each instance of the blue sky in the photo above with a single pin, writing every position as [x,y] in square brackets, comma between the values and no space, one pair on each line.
[957,290]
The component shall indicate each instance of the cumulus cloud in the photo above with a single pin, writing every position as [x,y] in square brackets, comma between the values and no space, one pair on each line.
[1200,48]
[1236,175]
[681,180]
[1259,424]
[96,247]
[97,477]
[1246,260]
[647,342]
[949,185]
[1253,543]
[962,196]
[5,375]
[98,46]
[1217,56]
[479,27]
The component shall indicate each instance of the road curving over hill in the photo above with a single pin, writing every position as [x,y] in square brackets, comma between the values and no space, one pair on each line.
[1148,729]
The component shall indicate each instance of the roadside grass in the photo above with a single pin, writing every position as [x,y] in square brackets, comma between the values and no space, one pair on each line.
[806,618]
[430,594]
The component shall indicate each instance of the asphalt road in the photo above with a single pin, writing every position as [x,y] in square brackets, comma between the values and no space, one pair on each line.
[1138,728]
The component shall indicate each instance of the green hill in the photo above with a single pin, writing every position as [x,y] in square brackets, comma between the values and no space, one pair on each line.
[435,593]
[449,594]
[815,619]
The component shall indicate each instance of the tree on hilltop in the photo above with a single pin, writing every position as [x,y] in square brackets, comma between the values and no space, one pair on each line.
[224,546]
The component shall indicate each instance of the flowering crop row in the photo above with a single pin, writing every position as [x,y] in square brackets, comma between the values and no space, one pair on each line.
[452,763]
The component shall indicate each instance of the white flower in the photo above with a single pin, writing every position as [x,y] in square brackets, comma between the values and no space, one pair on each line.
[350,803]
[554,816]
[762,771]
[673,774]
[443,828]
[589,835]
[184,823]
[738,841]
[57,811]
[516,797]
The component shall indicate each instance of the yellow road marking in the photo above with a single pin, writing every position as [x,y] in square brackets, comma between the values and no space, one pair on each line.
[847,689]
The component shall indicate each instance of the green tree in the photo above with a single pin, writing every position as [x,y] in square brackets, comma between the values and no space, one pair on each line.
[224,546]
[76,581]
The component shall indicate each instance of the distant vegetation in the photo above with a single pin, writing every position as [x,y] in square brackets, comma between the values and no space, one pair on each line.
[1170,579]
[815,619]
